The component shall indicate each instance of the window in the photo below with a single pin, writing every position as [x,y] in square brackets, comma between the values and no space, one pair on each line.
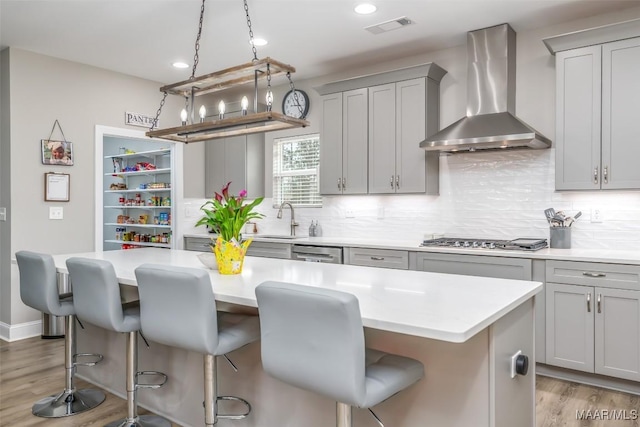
[296,171]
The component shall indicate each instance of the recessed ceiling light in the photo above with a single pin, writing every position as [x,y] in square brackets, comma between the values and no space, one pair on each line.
[365,8]
[259,42]
[180,65]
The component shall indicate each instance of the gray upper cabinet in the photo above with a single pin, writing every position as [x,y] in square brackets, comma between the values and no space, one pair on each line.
[620,107]
[343,143]
[239,159]
[371,130]
[596,117]
[397,125]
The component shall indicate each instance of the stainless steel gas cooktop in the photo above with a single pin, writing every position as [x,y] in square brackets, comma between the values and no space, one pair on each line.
[522,244]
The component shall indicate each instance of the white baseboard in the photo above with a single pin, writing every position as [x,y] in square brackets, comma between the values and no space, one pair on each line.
[20,331]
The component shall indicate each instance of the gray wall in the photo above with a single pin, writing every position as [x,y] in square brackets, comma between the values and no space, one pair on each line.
[5,201]
[42,90]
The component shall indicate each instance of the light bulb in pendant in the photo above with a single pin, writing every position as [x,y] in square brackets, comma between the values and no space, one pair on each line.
[269,99]
[183,116]
[202,112]
[221,108]
[244,103]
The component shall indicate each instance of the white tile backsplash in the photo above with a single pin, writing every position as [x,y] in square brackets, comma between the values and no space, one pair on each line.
[499,195]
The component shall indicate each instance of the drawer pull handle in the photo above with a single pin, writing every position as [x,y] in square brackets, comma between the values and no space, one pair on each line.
[599,303]
[605,172]
[339,181]
[595,175]
[589,302]
[591,274]
[391,182]
[377,258]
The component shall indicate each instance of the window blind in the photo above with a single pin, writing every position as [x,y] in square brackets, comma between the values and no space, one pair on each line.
[296,171]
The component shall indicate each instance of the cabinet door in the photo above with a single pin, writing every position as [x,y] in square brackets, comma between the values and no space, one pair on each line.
[235,163]
[620,107]
[569,326]
[411,125]
[331,144]
[214,171]
[354,141]
[617,333]
[578,80]
[382,139]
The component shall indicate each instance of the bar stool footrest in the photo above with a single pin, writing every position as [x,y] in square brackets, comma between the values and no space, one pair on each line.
[235,416]
[151,373]
[98,359]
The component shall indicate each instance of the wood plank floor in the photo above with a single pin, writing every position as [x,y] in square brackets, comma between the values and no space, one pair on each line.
[31,369]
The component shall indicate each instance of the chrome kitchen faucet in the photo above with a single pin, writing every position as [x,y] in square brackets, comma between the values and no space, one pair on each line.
[294,224]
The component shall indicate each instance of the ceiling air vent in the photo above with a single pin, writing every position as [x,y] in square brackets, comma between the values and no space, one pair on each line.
[394,24]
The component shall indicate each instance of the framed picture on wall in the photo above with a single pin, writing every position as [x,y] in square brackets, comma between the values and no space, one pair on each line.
[56,187]
[57,152]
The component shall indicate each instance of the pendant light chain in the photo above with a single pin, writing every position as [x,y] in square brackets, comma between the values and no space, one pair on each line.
[253,46]
[155,121]
[196,57]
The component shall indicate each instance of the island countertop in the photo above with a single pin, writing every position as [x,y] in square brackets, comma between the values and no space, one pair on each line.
[444,307]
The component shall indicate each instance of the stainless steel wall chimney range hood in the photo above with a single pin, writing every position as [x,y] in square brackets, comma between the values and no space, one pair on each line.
[491,80]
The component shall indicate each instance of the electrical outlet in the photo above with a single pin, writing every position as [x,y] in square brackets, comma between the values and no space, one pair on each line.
[596,215]
[348,213]
[56,213]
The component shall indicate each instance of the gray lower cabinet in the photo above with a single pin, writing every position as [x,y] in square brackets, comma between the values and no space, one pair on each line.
[472,265]
[200,244]
[385,258]
[592,325]
[237,159]
[259,249]
[596,117]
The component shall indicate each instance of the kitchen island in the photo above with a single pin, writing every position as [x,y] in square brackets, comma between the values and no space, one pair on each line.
[464,329]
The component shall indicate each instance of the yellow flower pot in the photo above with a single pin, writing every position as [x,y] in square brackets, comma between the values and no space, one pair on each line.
[230,255]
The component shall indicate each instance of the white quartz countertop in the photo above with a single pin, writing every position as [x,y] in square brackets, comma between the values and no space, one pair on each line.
[586,255]
[444,307]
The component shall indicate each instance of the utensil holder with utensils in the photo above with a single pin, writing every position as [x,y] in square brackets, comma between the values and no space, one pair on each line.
[560,237]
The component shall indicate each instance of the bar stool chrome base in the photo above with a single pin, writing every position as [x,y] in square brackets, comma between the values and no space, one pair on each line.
[141,421]
[67,403]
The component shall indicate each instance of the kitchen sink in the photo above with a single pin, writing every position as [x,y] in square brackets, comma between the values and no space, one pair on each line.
[277,236]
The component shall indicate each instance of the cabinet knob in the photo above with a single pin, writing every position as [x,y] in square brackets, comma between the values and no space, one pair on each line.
[522,364]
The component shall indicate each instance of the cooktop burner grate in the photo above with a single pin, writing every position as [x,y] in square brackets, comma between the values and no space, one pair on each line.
[522,244]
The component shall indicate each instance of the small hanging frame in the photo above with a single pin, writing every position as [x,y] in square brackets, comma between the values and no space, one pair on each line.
[56,152]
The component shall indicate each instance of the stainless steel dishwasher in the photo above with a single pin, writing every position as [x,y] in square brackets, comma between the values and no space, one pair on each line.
[308,253]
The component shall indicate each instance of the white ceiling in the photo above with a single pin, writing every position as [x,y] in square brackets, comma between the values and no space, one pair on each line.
[144,37]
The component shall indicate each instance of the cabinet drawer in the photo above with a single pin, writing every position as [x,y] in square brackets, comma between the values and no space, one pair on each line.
[200,244]
[594,274]
[379,258]
[473,265]
[270,250]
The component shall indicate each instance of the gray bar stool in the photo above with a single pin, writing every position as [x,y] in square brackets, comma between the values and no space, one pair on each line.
[313,339]
[97,300]
[39,290]
[174,300]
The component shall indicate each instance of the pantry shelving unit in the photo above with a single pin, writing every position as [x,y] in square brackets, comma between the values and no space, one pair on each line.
[138,192]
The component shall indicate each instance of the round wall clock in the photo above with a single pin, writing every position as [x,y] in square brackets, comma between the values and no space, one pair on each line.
[298,110]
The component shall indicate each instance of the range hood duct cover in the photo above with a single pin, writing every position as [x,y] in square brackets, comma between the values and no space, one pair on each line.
[490,122]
